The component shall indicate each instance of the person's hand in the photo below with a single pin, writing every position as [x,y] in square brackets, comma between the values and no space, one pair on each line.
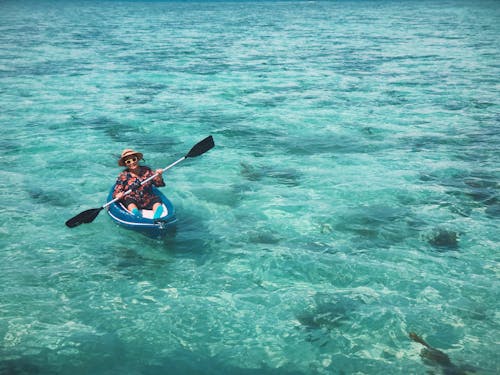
[119,195]
[159,171]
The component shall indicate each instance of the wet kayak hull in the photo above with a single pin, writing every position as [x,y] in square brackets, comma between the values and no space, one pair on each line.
[146,225]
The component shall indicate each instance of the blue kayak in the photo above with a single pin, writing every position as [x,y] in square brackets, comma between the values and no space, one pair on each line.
[156,228]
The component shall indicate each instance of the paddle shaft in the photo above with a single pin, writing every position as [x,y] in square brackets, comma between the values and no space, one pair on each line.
[144,182]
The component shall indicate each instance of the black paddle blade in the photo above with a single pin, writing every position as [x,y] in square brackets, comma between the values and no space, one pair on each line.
[201,147]
[84,217]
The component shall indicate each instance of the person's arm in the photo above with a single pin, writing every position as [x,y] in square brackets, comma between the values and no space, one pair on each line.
[158,180]
[120,186]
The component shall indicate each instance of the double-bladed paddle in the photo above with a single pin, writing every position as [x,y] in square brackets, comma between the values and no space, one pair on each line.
[88,216]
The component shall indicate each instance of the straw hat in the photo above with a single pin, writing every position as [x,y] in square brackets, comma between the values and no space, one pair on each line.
[126,153]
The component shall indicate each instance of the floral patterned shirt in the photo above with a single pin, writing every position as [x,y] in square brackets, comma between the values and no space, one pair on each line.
[143,194]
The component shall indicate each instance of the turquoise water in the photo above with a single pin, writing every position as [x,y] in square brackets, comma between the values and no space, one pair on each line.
[352,196]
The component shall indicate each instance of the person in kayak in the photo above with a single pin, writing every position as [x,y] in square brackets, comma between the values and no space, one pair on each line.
[141,197]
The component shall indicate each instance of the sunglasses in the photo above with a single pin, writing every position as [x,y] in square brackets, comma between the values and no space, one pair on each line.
[131,160]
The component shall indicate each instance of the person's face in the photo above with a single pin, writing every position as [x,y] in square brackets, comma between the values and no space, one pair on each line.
[131,162]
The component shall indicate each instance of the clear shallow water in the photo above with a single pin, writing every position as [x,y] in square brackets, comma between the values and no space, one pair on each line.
[352,196]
